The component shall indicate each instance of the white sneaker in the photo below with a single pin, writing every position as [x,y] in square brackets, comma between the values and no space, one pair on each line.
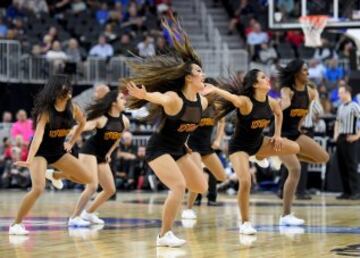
[18,240]
[188,214]
[18,229]
[170,240]
[247,240]
[275,162]
[78,222]
[91,217]
[264,163]
[290,220]
[247,229]
[188,223]
[57,183]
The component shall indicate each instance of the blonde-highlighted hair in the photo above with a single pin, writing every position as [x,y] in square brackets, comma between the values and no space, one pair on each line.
[165,72]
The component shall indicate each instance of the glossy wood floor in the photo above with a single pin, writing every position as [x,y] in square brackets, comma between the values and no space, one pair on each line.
[333,229]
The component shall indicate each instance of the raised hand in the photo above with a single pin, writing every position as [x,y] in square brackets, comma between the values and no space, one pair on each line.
[24,164]
[135,91]
[209,88]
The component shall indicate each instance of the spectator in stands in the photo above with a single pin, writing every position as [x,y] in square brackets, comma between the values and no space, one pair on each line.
[161,47]
[5,126]
[53,32]
[12,175]
[316,71]
[346,51]
[36,51]
[109,33]
[255,39]
[333,73]
[133,19]
[100,90]
[18,26]
[125,47]
[334,94]
[3,28]
[23,126]
[6,117]
[102,15]
[146,47]
[116,14]
[257,36]
[267,54]
[57,57]
[19,148]
[78,6]
[46,44]
[73,51]
[142,171]
[102,49]
[56,53]
[35,6]
[296,40]
[242,11]
[325,52]
[126,157]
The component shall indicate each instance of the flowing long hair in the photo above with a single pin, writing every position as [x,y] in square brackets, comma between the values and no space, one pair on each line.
[234,85]
[102,105]
[165,72]
[287,74]
[58,86]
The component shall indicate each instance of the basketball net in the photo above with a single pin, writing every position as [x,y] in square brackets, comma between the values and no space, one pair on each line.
[312,26]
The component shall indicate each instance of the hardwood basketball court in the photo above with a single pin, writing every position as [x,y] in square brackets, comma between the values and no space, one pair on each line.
[132,222]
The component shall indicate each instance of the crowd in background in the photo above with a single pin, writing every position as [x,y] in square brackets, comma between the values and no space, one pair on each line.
[125,27]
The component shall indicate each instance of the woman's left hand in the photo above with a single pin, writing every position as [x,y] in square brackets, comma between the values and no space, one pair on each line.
[277,142]
[108,158]
[68,146]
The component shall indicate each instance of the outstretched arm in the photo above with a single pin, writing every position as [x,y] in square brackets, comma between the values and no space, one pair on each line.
[81,121]
[275,107]
[35,144]
[169,100]
[237,101]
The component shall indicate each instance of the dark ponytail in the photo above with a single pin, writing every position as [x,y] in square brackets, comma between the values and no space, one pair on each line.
[102,106]
[235,86]
[287,74]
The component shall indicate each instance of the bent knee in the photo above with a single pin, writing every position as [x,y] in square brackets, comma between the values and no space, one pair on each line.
[203,187]
[38,190]
[179,187]
[245,184]
[324,157]
[92,187]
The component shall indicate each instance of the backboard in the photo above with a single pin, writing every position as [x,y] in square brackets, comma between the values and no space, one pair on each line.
[285,14]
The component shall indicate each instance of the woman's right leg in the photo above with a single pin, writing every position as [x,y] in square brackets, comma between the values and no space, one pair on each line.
[91,165]
[240,162]
[293,166]
[37,170]
[71,168]
[196,157]
[169,174]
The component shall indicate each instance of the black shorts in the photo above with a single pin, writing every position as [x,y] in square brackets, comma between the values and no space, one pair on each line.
[90,149]
[203,150]
[250,148]
[293,136]
[51,158]
[152,154]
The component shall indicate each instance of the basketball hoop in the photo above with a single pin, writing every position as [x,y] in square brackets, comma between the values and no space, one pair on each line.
[312,26]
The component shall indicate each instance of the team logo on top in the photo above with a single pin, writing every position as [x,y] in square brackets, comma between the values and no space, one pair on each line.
[261,123]
[59,133]
[298,112]
[112,136]
[187,128]
[207,122]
